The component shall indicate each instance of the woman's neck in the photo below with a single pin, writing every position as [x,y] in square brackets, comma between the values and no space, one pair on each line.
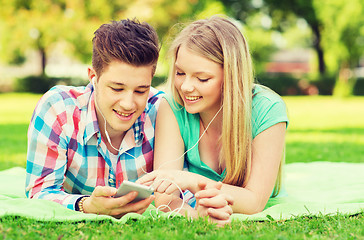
[213,122]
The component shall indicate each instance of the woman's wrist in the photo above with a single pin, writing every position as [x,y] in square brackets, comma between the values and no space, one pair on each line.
[195,180]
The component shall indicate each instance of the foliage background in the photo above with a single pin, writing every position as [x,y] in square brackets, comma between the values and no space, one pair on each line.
[52,38]
[47,42]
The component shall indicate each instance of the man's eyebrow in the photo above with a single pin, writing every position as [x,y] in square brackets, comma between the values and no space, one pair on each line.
[123,84]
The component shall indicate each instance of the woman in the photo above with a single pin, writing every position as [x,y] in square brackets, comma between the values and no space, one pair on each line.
[222,125]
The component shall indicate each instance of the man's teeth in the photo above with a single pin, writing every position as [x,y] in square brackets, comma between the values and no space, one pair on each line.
[192,98]
[123,114]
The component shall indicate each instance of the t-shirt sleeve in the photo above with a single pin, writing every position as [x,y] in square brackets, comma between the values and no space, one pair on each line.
[268,110]
[178,111]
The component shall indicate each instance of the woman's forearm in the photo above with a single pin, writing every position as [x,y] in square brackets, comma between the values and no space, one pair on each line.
[246,201]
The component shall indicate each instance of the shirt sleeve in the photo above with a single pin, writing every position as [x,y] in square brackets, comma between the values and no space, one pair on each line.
[47,152]
[268,110]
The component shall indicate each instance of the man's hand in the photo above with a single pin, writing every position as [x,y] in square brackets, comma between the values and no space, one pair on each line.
[102,202]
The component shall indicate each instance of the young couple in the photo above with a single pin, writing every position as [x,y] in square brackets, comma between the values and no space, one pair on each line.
[227,131]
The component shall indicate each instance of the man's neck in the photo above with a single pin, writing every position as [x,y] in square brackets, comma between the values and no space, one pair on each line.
[114,140]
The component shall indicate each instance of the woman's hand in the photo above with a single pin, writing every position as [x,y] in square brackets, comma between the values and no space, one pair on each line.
[102,202]
[168,181]
[211,202]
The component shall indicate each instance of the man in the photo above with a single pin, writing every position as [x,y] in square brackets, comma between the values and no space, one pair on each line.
[84,141]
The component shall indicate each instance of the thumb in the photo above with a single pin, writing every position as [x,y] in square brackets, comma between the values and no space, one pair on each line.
[218,185]
[104,191]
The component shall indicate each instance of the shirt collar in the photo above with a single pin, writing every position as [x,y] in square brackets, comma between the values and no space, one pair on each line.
[92,125]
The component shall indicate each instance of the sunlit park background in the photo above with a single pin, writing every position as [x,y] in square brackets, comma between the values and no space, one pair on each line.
[311,52]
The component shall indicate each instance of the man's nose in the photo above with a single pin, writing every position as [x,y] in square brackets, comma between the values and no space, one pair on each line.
[127,102]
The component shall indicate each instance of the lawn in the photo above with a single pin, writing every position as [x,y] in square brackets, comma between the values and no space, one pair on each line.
[320,129]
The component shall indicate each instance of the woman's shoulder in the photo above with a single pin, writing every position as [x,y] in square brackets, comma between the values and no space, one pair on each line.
[268,108]
[265,95]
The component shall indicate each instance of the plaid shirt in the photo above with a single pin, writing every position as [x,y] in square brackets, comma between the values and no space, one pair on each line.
[67,158]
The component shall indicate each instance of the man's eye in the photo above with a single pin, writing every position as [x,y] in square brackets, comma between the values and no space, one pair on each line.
[117,89]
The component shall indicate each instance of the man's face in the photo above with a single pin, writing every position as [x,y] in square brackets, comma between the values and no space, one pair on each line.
[121,95]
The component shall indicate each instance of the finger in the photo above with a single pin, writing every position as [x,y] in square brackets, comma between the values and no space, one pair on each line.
[142,205]
[135,207]
[218,185]
[104,191]
[142,210]
[211,192]
[220,214]
[214,202]
[162,185]
[147,178]
[229,199]
[171,189]
[147,183]
[126,199]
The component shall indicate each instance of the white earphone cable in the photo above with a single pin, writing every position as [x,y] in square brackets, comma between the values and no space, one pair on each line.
[177,210]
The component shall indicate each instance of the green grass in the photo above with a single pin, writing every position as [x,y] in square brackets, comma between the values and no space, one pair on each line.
[320,129]
[325,129]
[321,227]
[15,113]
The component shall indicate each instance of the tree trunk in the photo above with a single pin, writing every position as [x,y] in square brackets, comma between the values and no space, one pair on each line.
[319,50]
[43,60]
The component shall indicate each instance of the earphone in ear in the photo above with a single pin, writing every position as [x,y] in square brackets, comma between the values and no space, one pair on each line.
[93,81]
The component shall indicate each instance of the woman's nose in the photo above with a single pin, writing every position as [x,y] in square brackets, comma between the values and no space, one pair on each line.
[187,85]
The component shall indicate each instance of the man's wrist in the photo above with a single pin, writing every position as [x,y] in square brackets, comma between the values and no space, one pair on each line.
[79,206]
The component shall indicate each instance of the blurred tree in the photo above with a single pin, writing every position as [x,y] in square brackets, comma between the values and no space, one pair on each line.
[343,39]
[282,13]
[41,24]
[337,28]
[34,24]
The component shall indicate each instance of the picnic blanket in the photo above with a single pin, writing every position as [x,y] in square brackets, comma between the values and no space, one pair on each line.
[317,188]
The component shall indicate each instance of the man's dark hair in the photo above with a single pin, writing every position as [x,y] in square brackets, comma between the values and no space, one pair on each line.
[128,41]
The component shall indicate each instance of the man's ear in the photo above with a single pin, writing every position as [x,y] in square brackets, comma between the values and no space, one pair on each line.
[91,75]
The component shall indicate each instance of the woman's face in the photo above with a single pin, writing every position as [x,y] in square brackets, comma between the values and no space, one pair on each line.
[199,82]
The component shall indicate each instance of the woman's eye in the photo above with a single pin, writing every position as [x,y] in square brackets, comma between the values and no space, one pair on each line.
[140,92]
[203,79]
[179,73]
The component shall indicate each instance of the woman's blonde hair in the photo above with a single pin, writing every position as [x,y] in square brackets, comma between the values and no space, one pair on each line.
[220,41]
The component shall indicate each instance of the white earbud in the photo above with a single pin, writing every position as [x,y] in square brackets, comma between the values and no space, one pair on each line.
[93,81]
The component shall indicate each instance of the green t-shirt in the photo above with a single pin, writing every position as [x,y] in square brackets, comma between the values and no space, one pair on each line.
[268,109]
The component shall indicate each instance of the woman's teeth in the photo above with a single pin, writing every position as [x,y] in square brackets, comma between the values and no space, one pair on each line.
[192,98]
